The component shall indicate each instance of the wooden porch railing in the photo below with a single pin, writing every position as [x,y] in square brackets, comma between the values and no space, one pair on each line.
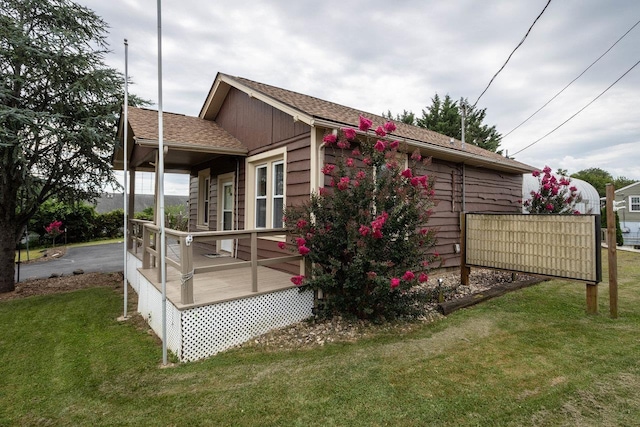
[186,240]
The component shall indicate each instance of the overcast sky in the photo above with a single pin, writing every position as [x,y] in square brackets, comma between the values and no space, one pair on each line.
[376,56]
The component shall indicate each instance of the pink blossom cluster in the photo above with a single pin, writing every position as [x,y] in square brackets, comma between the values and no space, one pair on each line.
[54,227]
[554,195]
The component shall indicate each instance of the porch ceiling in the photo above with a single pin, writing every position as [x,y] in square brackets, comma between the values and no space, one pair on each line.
[188,141]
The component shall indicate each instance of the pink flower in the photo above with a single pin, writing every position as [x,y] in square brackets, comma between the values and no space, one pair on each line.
[303,250]
[344,183]
[323,191]
[407,173]
[549,207]
[343,145]
[423,278]
[576,212]
[415,181]
[546,170]
[416,155]
[364,230]
[361,175]
[408,275]
[328,169]
[297,280]
[395,282]
[380,146]
[367,161]
[436,254]
[424,231]
[394,144]
[372,275]
[380,132]
[564,181]
[301,223]
[300,241]
[390,126]
[350,162]
[330,139]
[356,152]
[282,245]
[573,188]
[349,133]
[365,124]
[535,173]
[555,191]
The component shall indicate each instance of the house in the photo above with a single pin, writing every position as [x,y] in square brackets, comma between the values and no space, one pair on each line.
[253,150]
[630,214]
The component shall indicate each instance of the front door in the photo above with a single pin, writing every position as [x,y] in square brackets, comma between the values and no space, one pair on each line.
[226,214]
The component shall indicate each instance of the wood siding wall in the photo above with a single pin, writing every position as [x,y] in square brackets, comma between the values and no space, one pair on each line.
[258,125]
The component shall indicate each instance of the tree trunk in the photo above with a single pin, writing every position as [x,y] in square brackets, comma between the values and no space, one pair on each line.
[7,257]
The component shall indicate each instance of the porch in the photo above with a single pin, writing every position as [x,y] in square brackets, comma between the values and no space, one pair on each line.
[196,274]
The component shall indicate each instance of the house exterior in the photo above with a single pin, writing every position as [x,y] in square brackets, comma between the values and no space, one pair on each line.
[255,149]
[630,214]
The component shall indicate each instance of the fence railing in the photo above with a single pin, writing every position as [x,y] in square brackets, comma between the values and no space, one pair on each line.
[144,235]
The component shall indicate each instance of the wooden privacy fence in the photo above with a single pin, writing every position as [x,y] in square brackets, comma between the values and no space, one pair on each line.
[565,246]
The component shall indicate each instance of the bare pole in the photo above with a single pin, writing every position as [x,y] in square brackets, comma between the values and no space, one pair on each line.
[160,186]
[612,251]
[124,149]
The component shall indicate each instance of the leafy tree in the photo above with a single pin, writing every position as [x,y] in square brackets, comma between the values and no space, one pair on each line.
[603,224]
[58,110]
[444,116]
[365,233]
[621,182]
[406,117]
[597,177]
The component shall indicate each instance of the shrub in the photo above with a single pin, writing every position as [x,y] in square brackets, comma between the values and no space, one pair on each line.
[364,233]
[603,224]
[110,224]
[553,196]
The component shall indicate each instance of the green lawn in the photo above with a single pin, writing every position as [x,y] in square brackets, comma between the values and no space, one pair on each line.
[531,357]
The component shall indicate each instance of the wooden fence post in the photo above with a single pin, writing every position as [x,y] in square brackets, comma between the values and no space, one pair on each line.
[611,250]
[464,270]
[146,242]
[254,261]
[592,298]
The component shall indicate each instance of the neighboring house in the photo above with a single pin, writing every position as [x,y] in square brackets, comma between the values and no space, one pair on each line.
[630,214]
[109,202]
[255,149]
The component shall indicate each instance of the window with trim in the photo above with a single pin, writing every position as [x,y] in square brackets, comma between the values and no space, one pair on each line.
[634,203]
[204,190]
[267,190]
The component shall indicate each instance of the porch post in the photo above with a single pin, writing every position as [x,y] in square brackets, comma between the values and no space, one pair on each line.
[186,268]
[146,242]
[254,261]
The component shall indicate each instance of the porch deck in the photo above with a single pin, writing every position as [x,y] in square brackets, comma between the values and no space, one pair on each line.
[217,286]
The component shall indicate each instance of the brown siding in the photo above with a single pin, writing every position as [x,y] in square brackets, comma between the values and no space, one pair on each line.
[256,124]
[193,202]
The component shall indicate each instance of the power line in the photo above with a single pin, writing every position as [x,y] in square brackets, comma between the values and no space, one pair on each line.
[579,111]
[571,82]
[511,54]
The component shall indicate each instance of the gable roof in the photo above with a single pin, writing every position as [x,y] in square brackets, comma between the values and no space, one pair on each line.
[182,131]
[315,111]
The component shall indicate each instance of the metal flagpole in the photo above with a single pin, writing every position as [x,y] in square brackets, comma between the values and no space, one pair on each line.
[124,148]
[160,186]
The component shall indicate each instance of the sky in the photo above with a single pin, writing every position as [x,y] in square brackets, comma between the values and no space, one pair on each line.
[378,55]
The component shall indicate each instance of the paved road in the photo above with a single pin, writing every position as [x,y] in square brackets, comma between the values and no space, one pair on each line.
[105,258]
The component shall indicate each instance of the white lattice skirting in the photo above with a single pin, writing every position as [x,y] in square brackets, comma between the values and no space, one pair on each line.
[201,332]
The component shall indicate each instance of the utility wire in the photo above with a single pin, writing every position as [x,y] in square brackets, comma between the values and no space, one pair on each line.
[571,82]
[510,55]
[579,111]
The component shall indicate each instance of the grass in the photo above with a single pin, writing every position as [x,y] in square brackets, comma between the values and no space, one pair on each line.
[532,357]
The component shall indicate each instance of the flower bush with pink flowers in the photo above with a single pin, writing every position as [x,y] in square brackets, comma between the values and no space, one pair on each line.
[554,195]
[364,232]
[54,229]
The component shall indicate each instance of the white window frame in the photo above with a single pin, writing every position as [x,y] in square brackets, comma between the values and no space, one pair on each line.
[204,198]
[274,195]
[631,203]
[269,159]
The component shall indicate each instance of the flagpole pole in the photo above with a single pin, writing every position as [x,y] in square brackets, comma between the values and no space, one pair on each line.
[160,186]
[124,149]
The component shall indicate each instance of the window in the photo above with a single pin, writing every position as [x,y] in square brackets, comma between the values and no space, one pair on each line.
[634,203]
[204,186]
[266,189]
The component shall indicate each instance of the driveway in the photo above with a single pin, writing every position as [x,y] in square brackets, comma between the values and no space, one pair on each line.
[105,258]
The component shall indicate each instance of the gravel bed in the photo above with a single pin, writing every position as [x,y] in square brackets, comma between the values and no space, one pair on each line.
[314,333]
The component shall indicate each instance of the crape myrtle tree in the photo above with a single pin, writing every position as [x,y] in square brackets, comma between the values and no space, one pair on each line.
[365,233]
[58,109]
[553,195]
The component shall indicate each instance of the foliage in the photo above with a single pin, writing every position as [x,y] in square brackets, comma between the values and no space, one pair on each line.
[621,182]
[79,219]
[146,214]
[364,233]
[603,224]
[553,195]
[597,177]
[109,224]
[53,230]
[58,109]
[406,117]
[175,216]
